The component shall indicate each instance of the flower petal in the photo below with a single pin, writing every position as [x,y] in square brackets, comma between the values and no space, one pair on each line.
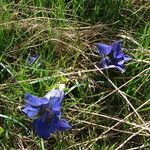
[120,62]
[105,62]
[33,59]
[63,125]
[41,128]
[45,126]
[104,49]
[57,124]
[35,101]
[55,104]
[119,55]
[120,68]
[31,112]
[55,93]
[127,58]
[55,98]
[116,47]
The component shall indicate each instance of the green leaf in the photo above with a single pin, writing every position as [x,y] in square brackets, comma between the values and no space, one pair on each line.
[1,130]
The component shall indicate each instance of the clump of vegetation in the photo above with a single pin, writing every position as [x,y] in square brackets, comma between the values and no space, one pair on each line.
[47,43]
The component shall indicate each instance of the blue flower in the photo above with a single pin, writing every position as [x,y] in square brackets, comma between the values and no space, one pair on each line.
[46,113]
[33,59]
[112,56]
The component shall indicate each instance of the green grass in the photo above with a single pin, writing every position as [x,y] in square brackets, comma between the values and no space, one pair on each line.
[64,34]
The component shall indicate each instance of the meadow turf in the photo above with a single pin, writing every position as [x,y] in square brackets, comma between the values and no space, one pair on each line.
[107,110]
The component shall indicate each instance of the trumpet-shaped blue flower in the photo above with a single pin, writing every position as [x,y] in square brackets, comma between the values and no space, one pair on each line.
[46,112]
[112,56]
[33,59]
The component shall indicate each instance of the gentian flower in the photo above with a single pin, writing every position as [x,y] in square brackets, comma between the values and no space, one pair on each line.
[46,113]
[112,56]
[33,59]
